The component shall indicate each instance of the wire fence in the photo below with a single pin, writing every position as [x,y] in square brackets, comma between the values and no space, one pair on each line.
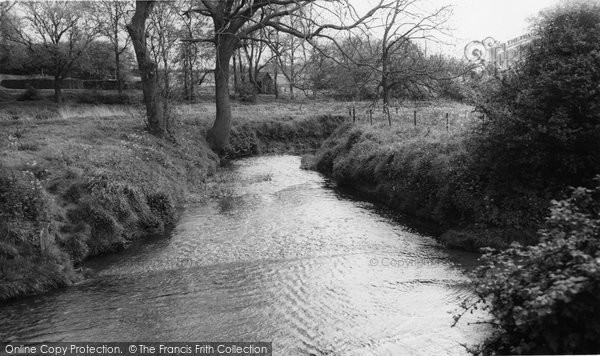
[449,118]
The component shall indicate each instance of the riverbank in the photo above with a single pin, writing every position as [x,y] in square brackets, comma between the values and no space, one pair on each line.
[426,171]
[80,180]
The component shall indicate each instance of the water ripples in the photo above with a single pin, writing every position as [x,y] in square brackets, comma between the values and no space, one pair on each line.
[282,258]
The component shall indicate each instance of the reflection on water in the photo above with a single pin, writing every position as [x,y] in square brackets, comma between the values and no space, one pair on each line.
[282,259]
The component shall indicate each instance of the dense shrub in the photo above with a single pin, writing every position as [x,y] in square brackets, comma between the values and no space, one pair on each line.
[546,298]
[41,83]
[30,93]
[97,97]
[285,134]
[543,134]
[544,115]
[246,92]
[20,195]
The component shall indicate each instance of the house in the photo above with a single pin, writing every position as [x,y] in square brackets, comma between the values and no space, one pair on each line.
[264,83]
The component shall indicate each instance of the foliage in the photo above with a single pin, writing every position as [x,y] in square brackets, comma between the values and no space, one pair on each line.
[247,92]
[108,98]
[97,62]
[350,72]
[544,115]
[343,70]
[57,32]
[20,195]
[281,135]
[546,298]
[30,93]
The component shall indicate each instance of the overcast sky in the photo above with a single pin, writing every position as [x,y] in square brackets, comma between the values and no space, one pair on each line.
[501,19]
[478,19]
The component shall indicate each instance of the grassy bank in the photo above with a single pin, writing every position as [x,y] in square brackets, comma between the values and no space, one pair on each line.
[426,171]
[82,180]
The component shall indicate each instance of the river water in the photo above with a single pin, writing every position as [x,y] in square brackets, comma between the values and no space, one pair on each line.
[279,256]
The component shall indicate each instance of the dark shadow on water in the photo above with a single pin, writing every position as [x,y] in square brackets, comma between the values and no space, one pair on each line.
[414,224]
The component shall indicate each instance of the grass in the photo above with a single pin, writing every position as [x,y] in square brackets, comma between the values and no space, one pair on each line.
[78,181]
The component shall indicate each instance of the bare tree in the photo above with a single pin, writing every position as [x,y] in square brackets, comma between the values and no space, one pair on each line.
[112,18]
[157,123]
[292,53]
[403,24]
[6,18]
[254,52]
[191,55]
[236,20]
[350,67]
[60,31]
[163,32]
[386,57]
[6,29]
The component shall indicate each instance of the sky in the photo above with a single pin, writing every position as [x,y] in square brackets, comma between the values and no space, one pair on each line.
[479,19]
[501,19]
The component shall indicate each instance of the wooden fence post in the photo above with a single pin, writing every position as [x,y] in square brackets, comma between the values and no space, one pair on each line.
[353,114]
[446,122]
[387,112]
[415,117]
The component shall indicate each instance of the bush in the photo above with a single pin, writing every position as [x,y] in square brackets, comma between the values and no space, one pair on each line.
[30,93]
[96,97]
[543,116]
[546,298]
[247,92]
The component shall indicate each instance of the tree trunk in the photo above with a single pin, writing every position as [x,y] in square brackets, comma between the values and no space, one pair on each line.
[167,92]
[292,72]
[241,65]
[385,88]
[275,82]
[235,76]
[118,72]
[137,30]
[58,84]
[186,71]
[192,81]
[218,135]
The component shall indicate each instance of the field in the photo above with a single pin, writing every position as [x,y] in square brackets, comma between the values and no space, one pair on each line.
[266,108]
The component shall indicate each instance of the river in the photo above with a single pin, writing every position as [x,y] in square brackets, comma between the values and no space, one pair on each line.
[279,256]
